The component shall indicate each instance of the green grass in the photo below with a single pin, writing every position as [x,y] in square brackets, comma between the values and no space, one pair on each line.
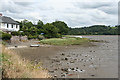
[65,41]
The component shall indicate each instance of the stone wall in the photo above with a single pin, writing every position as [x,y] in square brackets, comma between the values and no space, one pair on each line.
[17,39]
[23,38]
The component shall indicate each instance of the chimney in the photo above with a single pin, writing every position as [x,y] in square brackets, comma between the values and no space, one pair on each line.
[0,14]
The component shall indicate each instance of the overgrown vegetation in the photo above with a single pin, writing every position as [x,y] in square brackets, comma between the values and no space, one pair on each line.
[15,67]
[48,30]
[65,41]
[58,28]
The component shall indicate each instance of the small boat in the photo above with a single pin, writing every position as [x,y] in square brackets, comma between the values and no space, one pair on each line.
[34,45]
[77,36]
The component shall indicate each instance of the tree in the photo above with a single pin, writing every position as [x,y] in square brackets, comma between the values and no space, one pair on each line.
[33,30]
[50,31]
[62,26]
[39,24]
[27,23]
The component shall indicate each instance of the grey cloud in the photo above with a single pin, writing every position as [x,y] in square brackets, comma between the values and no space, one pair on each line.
[24,3]
[89,5]
[74,13]
[110,10]
[12,7]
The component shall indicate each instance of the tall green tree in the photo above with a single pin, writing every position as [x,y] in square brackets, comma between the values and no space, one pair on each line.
[50,31]
[39,24]
[27,23]
[62,26]
[33,30]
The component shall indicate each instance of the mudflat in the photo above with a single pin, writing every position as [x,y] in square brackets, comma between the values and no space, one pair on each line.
[94,60]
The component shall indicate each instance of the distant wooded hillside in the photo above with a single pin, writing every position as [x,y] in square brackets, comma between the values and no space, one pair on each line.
[94,30]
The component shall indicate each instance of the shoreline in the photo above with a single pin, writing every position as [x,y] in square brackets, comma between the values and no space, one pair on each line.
[52,56]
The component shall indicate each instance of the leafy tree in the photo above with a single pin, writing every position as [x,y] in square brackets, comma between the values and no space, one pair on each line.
[50,31]
[39,24]
[33,30]
[62,26]
[27,23]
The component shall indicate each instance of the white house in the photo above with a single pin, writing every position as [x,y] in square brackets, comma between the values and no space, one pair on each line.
[7,24]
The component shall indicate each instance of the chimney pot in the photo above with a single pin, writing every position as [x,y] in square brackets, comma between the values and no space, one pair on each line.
[0,14]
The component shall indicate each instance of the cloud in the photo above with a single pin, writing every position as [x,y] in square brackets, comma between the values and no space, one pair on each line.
[90,5]
[74,13]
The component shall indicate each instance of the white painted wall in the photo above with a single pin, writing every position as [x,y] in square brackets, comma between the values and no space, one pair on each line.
[0,25]
[9,28]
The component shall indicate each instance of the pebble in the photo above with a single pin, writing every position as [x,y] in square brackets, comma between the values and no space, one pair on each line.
[75,59]
[55,69]
[62,54]
[51,71]
[92,75]
[71,61]
[72,68]
[65,69]
[57,60]
[76,67]
[91,51]
[62,75]
[66,58]
[55,75]
[16,46]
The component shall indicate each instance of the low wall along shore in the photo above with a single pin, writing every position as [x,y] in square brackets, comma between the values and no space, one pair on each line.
[16,39]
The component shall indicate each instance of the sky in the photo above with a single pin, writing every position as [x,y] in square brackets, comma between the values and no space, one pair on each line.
[76,13]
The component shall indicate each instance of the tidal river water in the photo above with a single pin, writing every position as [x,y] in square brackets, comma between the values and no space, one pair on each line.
[95,60]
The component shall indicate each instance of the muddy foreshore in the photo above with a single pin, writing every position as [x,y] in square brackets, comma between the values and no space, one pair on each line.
[96,60]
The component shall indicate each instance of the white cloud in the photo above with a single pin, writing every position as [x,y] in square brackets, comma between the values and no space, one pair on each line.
[73,12]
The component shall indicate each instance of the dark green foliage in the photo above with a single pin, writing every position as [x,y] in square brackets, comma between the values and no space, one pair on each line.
[15,33]
[39,24]
[40,37]
[94,30]
[0,34]
[62,26]
[50,31]
[58,28]
[6,36]
[32,36]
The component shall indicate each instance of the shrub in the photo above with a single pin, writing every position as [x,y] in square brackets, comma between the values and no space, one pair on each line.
[40,37]
[0,35]
[15,33]
[32,37]
[6,36]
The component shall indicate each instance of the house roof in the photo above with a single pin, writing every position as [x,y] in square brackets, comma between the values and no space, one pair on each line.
[8,20]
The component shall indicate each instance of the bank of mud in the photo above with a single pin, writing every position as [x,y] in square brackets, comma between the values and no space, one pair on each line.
[99,60]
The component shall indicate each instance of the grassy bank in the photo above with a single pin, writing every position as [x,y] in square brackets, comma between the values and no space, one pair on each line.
[13,66]
[65,41]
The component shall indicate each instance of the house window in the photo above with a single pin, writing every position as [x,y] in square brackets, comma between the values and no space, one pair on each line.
[7,25]
[12,25]
[16,26]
